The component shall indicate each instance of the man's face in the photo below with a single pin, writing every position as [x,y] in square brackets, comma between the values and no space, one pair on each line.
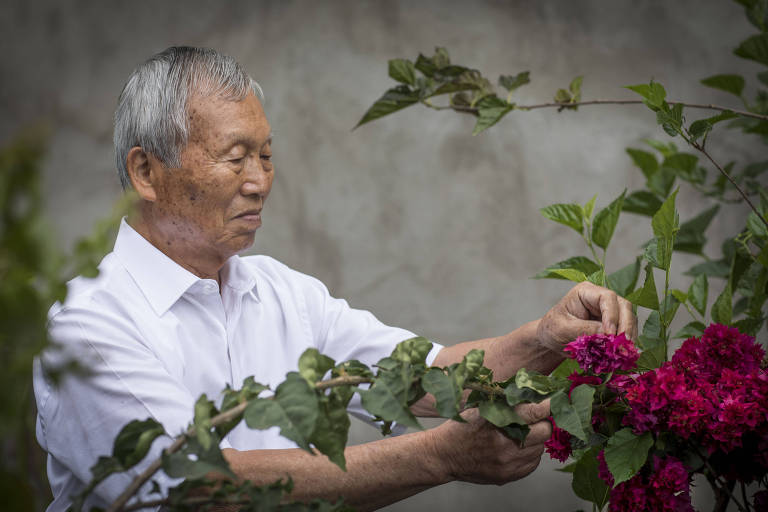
[212,203]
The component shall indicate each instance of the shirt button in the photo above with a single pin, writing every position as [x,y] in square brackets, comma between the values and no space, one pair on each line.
[210,287]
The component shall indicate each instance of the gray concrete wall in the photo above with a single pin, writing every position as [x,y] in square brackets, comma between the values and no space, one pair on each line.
[411,216]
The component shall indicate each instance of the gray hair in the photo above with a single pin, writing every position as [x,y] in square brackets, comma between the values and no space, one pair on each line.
[152,109]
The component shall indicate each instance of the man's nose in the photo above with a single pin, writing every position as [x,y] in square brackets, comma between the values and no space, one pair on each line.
[257,178]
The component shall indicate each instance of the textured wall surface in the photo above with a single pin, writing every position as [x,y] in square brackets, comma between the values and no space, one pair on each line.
[410,216]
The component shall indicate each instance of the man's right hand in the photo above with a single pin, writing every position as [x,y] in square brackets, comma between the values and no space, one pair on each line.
[478,452]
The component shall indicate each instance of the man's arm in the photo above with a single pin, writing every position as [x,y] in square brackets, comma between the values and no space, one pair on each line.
[537,345]
[386,471]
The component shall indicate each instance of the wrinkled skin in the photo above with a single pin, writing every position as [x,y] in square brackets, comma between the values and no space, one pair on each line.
[209,208]
[586,309]
[480,453]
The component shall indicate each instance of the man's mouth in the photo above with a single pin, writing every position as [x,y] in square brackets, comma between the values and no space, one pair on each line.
[250,215]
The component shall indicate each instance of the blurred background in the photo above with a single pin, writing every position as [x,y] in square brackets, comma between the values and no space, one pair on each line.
[410,216]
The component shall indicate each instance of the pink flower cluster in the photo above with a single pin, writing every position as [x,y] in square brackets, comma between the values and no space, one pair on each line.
[713,391]
[603,353]
[558,446]
[665,488]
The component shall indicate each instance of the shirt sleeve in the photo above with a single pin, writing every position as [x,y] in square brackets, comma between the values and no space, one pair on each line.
[344,333]
[80,416]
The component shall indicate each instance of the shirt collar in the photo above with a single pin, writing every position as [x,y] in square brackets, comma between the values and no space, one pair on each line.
[162,280]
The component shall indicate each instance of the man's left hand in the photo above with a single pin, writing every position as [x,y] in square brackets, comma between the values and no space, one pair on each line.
[586,309]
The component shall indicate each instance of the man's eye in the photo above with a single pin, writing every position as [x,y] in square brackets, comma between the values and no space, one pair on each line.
[237,160]
[266,157]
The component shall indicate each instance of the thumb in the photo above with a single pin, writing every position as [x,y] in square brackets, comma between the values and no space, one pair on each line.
[532,413]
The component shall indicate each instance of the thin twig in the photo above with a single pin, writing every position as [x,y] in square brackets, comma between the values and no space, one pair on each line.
[700,148]
[474,110]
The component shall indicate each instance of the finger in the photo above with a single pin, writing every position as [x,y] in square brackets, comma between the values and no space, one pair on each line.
[532,412]
[603,304]
[627,319]
[540,432]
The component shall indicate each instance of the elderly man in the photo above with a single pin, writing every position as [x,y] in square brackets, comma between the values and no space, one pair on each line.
[175,313]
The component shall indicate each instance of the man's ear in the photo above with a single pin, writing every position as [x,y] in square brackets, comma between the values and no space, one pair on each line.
[142,169]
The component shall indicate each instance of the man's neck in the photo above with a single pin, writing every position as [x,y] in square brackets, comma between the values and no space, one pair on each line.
[191,258]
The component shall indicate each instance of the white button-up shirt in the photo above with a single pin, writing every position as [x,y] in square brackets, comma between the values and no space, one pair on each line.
[155,337]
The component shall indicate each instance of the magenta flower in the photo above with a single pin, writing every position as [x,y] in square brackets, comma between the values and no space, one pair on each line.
[603,353]
[558,446]
[667,488]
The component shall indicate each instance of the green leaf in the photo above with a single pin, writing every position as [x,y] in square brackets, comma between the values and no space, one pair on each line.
[587,483]
[756,226]
[542,384]
[626,453]
[668,308]
[490,110]
[605,221]
[403,71]
[691,330]
[652,358]
[701,127]
[332,426]
[390,396]
[582,398]
[204,409]
[568,214]
[690,238]
[412,351]
[644,160]
[313,365]
[658,253]
[393,100]
[566,416]
[653,93]
[511,83]
[571,274]
[661,183]
[580,263]
[665,148]
[646,296]
[683,164]
[134,440]
[589,207]
[670,119]
[652,329]
[623,280]
[666,221]
[642,202]
[754,48]
[697,293]
[447,395]
[564,369]
[722,308]
[719,268]
[562,96]
[575,88]
[597,277]
[499,413]
[763,77]
[733,84]
[193,461]
[294,409]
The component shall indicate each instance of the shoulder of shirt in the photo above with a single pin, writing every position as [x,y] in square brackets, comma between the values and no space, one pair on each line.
[267,266]
[112,282]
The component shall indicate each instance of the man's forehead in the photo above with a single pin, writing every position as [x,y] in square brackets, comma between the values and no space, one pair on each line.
[229,118]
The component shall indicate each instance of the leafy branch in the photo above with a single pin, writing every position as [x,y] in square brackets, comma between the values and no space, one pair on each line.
[564,105]
[311,411]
